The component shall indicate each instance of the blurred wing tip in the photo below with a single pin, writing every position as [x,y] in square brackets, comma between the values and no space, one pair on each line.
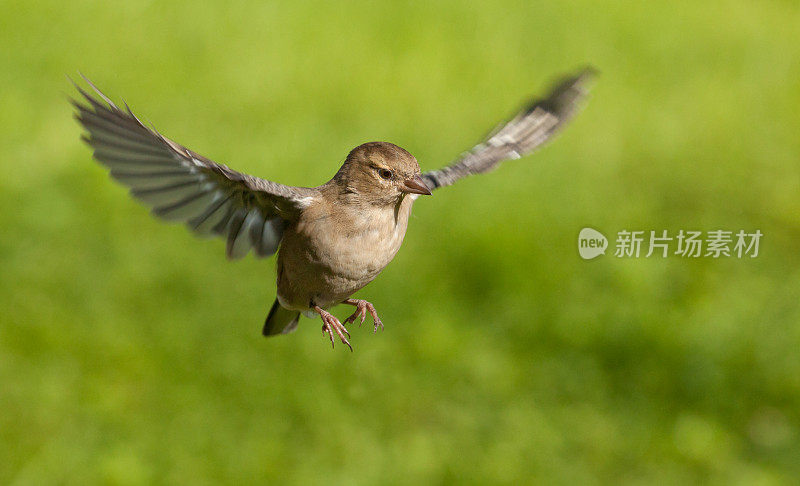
[72,81]
[588,71]
[97,90]
[584,79]
[79,107]
[130,112]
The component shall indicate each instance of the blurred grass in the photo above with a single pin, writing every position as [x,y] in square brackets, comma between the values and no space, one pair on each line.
[130,352]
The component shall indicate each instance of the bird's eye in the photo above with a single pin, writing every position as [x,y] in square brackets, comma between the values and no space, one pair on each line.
[385,173]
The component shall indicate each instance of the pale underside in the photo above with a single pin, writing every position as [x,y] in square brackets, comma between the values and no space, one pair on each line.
[320,264]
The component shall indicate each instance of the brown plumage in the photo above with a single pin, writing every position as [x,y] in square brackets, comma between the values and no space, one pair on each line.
[334,239]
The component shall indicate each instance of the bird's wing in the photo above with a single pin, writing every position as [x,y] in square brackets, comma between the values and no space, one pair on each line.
[533,126]
[181,185]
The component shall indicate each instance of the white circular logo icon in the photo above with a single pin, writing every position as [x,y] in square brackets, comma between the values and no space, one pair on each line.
[591,243]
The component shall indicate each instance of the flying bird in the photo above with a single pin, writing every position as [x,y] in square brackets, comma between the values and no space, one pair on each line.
[331,240]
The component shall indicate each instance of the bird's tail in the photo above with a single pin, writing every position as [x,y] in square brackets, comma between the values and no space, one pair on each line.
[280,320]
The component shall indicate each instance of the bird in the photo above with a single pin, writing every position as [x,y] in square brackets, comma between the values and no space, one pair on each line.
[331,240]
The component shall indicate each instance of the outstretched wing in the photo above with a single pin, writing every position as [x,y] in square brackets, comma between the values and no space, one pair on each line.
[532,127]
[181,185]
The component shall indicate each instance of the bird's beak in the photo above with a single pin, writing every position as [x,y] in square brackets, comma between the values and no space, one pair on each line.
[415,185]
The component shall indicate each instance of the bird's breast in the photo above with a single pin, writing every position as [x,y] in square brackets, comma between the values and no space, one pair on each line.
[358,243]
[334,253]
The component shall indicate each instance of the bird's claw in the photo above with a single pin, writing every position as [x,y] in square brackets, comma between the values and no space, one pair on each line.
[362,307]
[331,324]
[360,313]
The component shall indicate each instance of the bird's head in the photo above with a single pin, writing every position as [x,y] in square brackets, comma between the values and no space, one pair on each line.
[381,173]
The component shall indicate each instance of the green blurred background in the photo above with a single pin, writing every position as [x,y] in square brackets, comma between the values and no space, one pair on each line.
[130,352]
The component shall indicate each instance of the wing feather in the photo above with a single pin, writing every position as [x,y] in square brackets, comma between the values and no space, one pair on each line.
[270,236]
[181,185]
[528,130]
[204,224]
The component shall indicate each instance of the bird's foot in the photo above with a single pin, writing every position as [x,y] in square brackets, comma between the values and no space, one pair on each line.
[331,324]
[362,307]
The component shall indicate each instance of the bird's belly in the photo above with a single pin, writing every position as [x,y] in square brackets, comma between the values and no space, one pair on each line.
[326,265]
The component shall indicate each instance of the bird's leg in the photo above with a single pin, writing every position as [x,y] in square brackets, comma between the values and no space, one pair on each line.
[331,324]
[362,307]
